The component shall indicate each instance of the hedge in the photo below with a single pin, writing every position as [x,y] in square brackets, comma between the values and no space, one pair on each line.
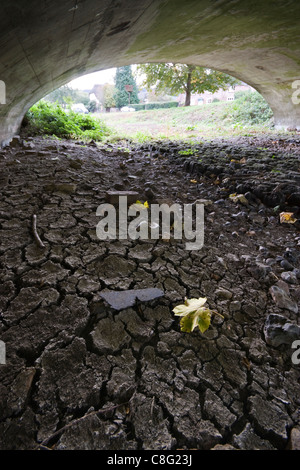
[146,106]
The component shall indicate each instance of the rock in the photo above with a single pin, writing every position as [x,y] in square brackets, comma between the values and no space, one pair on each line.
[270,418]
[289,277]
[15,141]
[120,300]
[286,265]
[279,330]
[249,440]
[294,442]
[20,390]
[235,306]
[67,188]
[239,198]
[205,202]
[224,294]
[112,197]
[224,447]
[281,297]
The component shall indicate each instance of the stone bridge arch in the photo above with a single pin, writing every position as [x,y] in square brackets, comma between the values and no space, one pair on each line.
[46,44]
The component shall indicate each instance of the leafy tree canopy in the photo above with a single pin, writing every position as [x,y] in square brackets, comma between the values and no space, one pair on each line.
[66,94]
[124,77]
[109,96]
[181,78]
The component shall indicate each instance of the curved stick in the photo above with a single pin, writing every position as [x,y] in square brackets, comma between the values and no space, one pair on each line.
[35,234]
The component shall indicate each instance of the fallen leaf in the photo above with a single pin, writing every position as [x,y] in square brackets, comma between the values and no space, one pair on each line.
[238,198]
[287,218]
[194,314]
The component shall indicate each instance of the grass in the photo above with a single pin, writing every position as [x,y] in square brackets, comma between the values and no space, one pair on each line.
[248,115]
[206,122]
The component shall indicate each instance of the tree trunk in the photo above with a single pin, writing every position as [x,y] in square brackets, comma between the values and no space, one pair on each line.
[188,86]
[187,98]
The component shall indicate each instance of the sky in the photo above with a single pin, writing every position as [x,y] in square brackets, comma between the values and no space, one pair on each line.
[86,82]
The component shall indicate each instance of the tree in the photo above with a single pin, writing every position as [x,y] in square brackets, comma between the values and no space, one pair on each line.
[92,106]
[109,96]
[66,94]
[180,78]
[124,77]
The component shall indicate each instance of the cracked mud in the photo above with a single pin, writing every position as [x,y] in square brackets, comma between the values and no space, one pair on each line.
[80,374]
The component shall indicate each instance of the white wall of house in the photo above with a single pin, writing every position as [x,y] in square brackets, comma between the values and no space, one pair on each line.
[208,97]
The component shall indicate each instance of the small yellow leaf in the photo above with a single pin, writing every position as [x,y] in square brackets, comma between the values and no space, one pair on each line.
[193,181]
[239,198]
[287,218]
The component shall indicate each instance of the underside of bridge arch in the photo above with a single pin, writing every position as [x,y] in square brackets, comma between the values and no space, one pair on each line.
[45,44]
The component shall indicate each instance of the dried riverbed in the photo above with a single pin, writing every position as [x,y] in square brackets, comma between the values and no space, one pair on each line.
[80,374]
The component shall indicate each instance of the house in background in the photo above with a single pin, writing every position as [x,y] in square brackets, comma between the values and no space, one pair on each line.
[220,95]
[97,95]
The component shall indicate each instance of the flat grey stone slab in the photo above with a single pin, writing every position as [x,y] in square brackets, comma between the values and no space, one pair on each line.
[120,300]
[113,196]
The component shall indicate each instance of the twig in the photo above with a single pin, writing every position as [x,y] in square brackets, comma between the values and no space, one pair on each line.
[44,443]
[35,234]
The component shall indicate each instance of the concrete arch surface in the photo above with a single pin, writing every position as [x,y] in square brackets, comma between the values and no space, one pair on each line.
[45,44]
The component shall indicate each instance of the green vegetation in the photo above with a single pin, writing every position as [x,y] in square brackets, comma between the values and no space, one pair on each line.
[248,115]
[123,78]
[153,105]
[249,108]
[109,92]
[66,94]
[46,118]
[181,78]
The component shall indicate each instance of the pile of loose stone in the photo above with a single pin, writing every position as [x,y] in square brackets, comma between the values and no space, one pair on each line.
[80,372]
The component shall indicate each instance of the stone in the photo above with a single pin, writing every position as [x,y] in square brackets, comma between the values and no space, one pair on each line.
[294,441]
[15,141]
[281,297]
[289,277]
[20,390]
[68,188]
[249,440]
[120,300]
[224,294]
[286,265]
[279,330]
[112,197]
[270,418]
[205,202]
[223,447]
